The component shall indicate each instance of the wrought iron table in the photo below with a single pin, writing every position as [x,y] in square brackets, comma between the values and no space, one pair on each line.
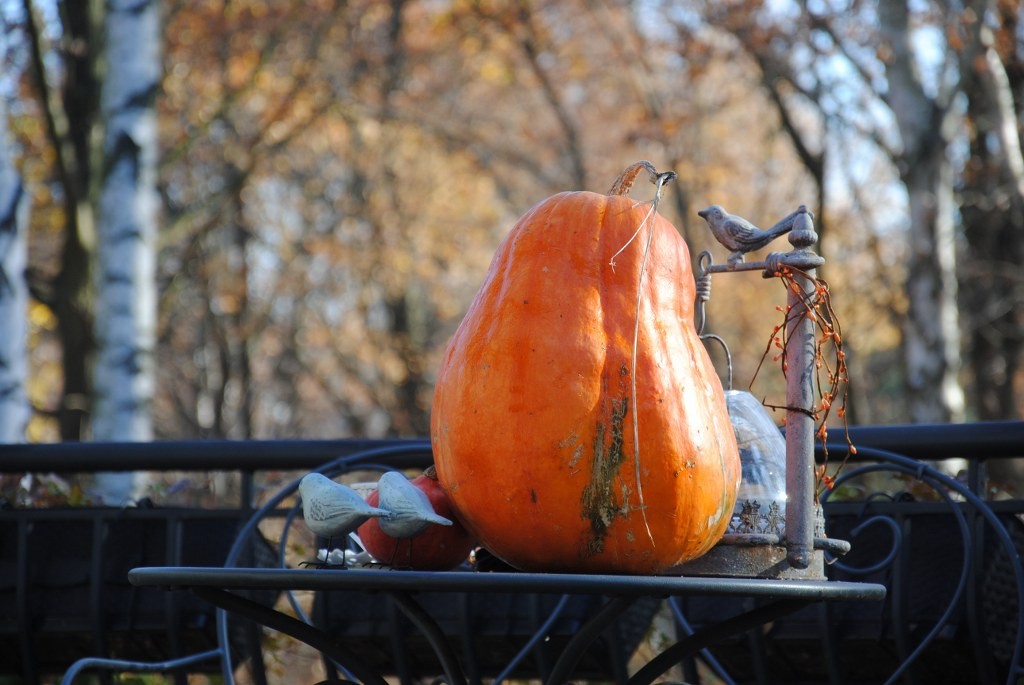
[776,598]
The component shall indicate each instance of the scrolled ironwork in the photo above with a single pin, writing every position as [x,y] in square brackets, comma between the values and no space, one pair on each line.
[887,561]
[363,459]
[943,485]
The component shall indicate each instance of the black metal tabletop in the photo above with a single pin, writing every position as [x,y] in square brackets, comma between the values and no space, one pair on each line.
[224,588]
[468,581]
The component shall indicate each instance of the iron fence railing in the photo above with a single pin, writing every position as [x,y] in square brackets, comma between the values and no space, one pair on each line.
[950,562]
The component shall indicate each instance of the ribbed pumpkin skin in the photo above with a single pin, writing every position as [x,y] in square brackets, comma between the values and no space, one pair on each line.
[532,424]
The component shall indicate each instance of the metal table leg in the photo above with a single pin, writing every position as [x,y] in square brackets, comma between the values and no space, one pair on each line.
[290,626]
[707,636]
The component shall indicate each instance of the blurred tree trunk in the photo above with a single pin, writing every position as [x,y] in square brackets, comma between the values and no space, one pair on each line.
[70,115]
[127,227]
[931,332]
[531,42]
[14,208]
[992,209]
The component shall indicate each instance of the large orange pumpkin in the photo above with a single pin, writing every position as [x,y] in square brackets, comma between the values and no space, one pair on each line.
[532,422]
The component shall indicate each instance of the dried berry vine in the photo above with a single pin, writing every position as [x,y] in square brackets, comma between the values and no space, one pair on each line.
[832,378]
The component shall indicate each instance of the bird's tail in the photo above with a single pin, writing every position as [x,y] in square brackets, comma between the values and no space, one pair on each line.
[438,519]
[786,224]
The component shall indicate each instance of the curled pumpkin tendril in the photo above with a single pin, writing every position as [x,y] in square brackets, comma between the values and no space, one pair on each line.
[622,186]
[831,377]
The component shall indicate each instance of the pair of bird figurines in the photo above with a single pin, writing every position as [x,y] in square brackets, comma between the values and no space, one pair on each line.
[333,510]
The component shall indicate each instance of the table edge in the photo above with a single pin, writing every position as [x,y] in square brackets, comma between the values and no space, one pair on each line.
[367,580]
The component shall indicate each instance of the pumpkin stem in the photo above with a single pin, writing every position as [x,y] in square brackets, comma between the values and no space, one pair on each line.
[624,183]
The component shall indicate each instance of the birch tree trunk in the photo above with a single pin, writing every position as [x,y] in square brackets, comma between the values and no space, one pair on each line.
[123,377]
[931,332]
[14,208]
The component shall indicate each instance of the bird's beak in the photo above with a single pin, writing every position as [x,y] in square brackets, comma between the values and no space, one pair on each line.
[703,214]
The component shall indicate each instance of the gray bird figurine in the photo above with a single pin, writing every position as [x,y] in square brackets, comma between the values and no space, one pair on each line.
[739,235]
[409,509]
[331,509]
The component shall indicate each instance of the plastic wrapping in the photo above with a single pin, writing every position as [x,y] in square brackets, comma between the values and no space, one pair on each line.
[762,454]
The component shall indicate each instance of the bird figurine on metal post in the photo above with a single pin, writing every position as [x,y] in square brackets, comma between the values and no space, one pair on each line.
[333,510]
[409,509]
[739,235]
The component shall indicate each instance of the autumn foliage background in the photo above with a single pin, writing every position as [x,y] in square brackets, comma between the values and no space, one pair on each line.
[335,176]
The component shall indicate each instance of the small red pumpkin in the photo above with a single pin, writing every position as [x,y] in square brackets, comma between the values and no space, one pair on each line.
[532,421]
[438,548]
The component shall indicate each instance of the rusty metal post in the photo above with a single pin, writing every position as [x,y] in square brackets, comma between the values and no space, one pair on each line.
[800,374]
